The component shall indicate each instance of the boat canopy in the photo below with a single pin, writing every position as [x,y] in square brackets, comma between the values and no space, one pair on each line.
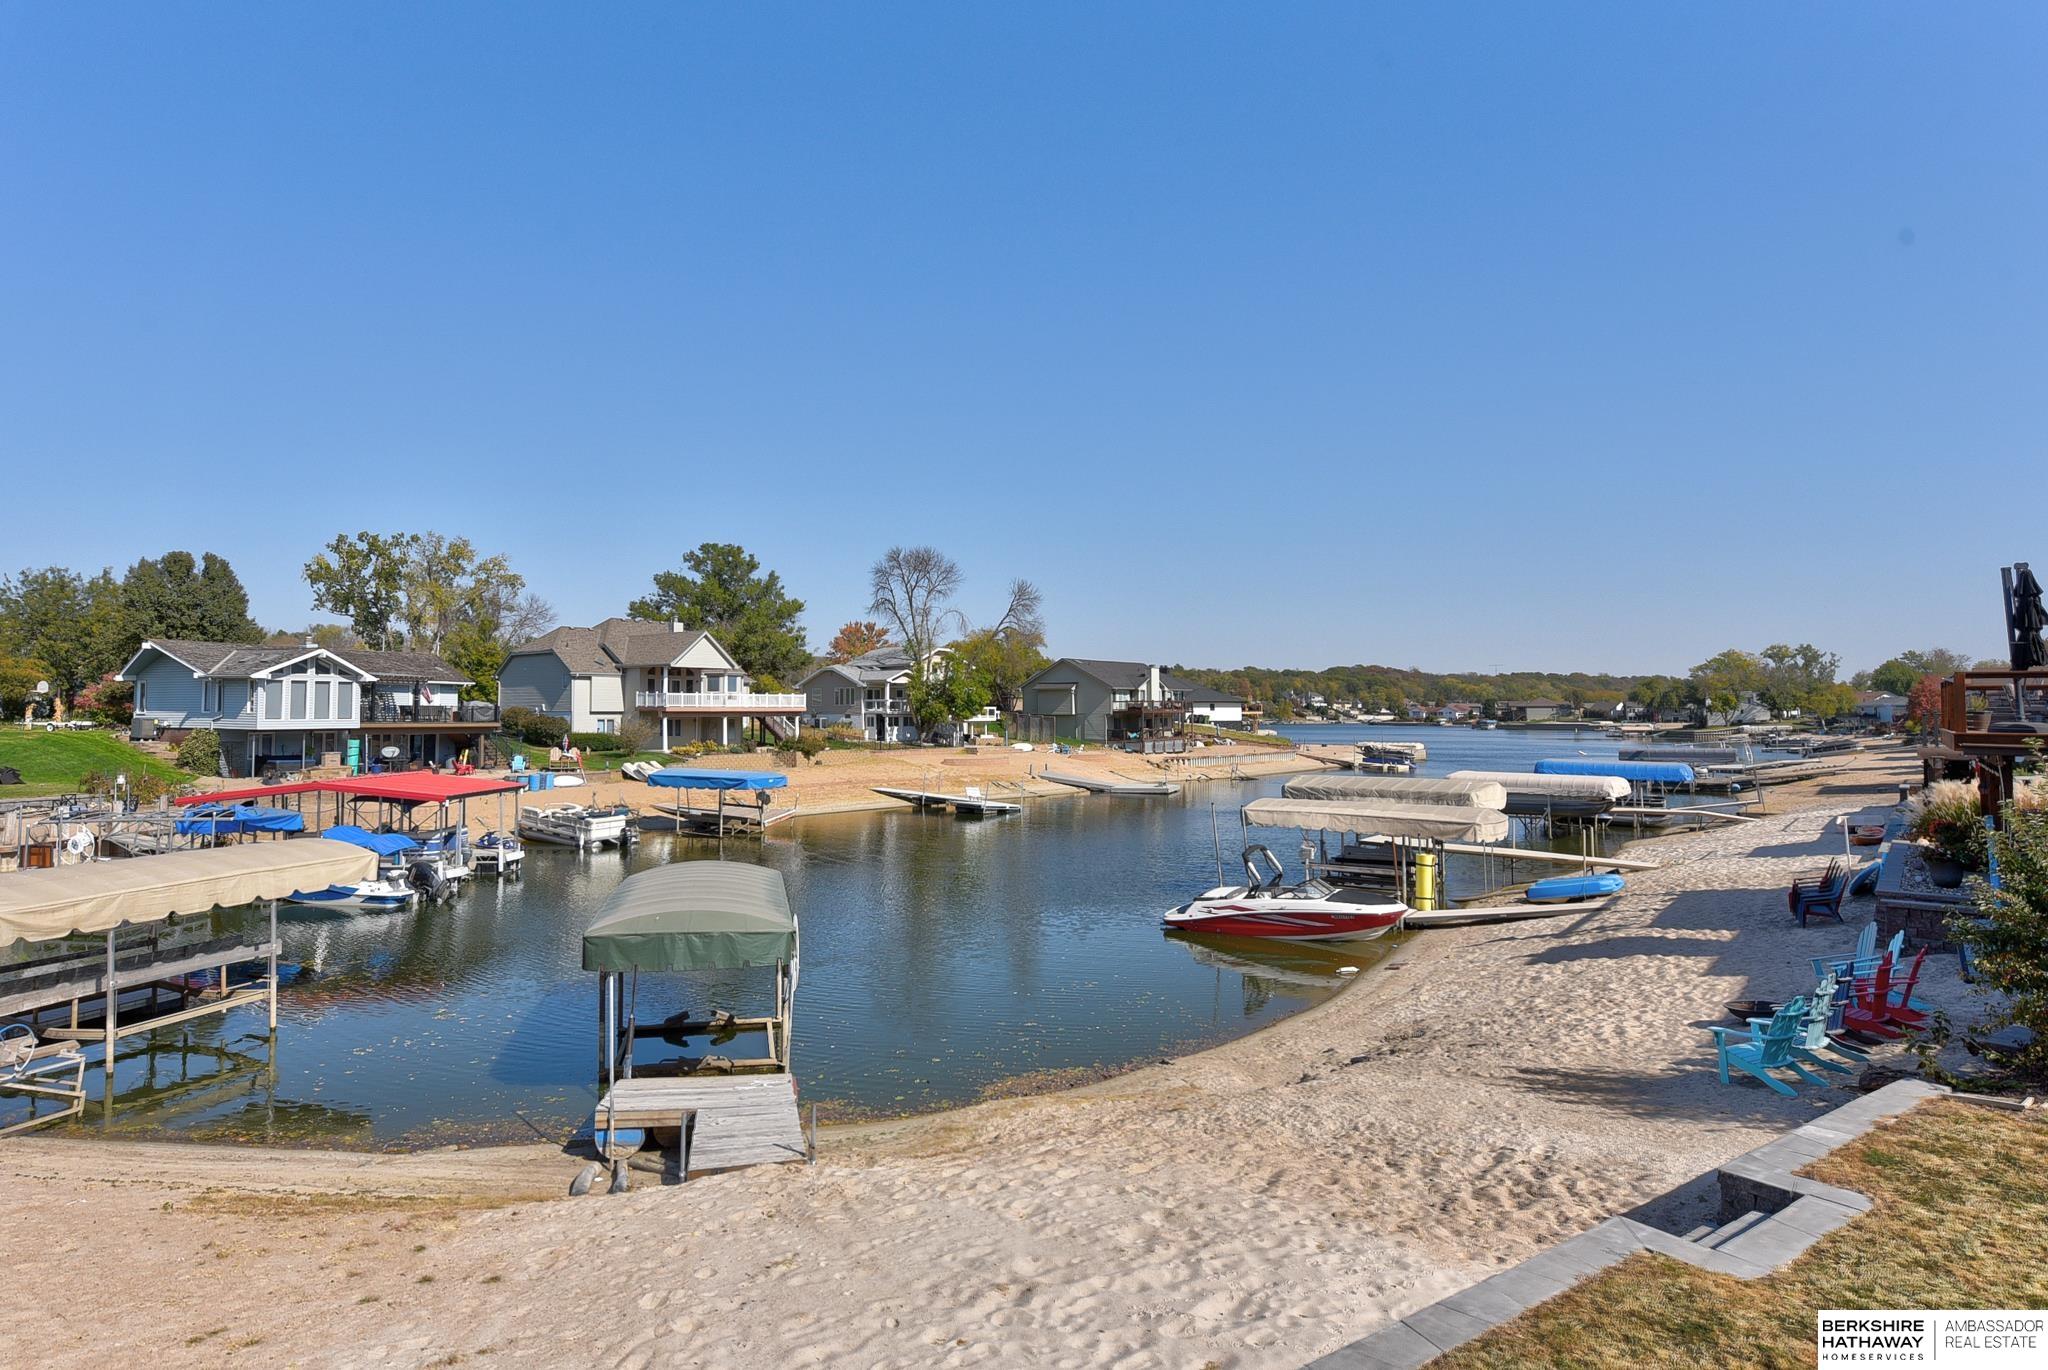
[1381,818]
[100,896]
[218,820]
[693,915]
[1610,789]
[1479,794]
[1658,772]
[382,843]
[405,787]
[684,778]
[1417,752]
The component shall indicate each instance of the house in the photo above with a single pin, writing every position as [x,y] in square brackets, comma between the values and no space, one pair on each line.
[284,708]
[676,684]
[1119,703]
[1215,707]
[870,692]
[1877,706]
[1533,710]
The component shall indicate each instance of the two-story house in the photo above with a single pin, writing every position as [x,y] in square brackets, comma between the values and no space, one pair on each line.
[285,708]
[677,684]
[1122,703]
[870,692]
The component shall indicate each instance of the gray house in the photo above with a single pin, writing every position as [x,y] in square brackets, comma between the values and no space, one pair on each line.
[284,708]
[1116,703]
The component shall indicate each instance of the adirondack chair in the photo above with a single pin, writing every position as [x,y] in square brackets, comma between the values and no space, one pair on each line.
[1823,896]
[1865,955]
[1768,1048]
[1813,1028]
[1894,1001]
[1869,1011]
[1841,993]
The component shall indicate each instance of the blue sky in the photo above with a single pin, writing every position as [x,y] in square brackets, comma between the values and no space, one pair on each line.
[1534,336]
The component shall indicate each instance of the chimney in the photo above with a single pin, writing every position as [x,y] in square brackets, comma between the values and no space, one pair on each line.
[675,625]
[1157,691]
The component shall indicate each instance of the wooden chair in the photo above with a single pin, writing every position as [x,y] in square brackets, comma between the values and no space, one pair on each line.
[1768,1048]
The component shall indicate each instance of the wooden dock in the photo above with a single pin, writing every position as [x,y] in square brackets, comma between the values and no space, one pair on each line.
[724,1120]
[1119,786]
[972,804]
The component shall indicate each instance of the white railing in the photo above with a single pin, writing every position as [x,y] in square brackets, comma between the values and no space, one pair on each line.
[737,703]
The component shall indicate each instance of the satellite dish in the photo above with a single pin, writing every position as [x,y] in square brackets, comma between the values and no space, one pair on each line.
[42,687]
[389,753]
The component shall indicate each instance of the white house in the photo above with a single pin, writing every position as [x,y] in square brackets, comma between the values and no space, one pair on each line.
[681,685]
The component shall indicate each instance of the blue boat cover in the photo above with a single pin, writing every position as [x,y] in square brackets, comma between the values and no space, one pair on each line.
[218,820]
[1661,772]
[382,843]
[683,778]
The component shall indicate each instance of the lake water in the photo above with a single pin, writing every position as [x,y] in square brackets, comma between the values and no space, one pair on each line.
[942,958]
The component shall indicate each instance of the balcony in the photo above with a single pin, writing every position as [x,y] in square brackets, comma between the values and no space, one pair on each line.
[1994,712]
[708,702]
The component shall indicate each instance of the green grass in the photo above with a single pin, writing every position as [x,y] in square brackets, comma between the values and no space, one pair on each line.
[53,763]
[1959,1219]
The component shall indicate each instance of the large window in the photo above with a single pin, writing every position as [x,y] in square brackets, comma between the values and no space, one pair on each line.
[344,699]
[323,699]
[273,699]
[298,699]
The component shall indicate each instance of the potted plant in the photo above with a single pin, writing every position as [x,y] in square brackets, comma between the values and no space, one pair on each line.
[1948,822]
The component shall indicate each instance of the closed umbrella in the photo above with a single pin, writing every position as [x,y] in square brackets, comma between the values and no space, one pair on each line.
[2029,620]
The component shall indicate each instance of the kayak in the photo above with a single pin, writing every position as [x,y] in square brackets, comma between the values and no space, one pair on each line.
[1563,889]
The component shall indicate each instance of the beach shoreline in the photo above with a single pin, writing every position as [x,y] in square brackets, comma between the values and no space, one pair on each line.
[1256,1203]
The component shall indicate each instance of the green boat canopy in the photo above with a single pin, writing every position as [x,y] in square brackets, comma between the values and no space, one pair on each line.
[693,915]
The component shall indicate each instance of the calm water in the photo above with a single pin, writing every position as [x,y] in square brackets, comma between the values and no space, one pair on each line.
[941,957]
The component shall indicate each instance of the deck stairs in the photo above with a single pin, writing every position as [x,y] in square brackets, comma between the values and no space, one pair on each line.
[784,728]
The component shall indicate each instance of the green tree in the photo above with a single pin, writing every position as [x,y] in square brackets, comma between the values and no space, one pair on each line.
[1798,677]
[954,691]
[72,624]
[1899,675]
[19,677]
[2011,943]
[177,595]
[363,578]
[721,590]
[1721,681]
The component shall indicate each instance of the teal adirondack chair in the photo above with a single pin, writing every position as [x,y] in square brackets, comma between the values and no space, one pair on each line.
[1768,1048]
[1813,1029]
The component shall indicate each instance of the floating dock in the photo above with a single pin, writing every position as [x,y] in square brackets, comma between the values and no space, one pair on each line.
[1128,787]
[1500,913]
[723,1120]
[971,804]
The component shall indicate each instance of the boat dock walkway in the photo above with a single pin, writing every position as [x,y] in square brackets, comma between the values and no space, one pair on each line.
[1501,913]
[1119,786]
[724,1120]
[1702,812]
[974,804]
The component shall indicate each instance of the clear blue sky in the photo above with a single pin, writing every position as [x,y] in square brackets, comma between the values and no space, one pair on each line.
[1540,336]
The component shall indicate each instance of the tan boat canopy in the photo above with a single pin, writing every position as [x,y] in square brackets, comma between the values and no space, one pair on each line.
[99,896]
[1381,818]
[693,915]
[1477,794]
[1610,789]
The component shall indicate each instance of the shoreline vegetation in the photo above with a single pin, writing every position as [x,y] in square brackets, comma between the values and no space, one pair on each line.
[1477,1097]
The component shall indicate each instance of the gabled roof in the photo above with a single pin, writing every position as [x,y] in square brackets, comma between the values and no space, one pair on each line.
[615,644]
[237,660]
[1130,675]
[883,665]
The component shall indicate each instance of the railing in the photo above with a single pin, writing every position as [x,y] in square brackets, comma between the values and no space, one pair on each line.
[1995,710]
[738,703]
[380,711]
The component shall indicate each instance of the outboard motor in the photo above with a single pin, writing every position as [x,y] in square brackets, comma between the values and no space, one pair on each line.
[426,877]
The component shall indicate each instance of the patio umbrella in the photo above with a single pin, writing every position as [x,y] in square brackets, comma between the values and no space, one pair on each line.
[2029,619]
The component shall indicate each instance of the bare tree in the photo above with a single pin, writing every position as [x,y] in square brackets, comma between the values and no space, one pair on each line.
[913,590]
[1024,617]
[525,619]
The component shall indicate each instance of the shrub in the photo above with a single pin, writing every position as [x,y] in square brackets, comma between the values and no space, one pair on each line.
[2011,943]
[805,746]
[96,782]
[845,732]
[1948,817]
[199,753]
[107,700]
[599,742]
[532,726]
[637,735]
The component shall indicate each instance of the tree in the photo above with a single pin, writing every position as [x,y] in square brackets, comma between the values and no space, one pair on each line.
[2009,936]
[913,590]
[179,596]
[1898,675]
[1721,681]
[71,624]
[363,577]
[856,637]
[333,636]
[19,677]
[1798,677]
[1923,704]
[721,591]
[1012,649]
[1831,701]
[953,692]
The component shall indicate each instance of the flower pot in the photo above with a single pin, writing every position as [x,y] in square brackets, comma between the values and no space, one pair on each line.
[1946,874]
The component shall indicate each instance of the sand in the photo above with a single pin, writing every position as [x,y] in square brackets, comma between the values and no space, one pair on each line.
[1488,1092]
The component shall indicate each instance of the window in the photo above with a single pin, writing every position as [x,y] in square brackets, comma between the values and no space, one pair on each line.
[298,699]
[323,699]
[273,699]
[345,699]
[207,699]
[607,725]
[141,695]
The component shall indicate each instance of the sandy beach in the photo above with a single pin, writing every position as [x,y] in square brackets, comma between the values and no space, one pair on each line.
[1487,1092]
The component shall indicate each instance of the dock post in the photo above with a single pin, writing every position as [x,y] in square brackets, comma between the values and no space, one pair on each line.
[273,970]
[113,1015]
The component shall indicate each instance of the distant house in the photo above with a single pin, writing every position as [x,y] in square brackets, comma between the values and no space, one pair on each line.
[285,708]
[680,685]
[870,692]
[1533,710]
[1121,703]
[1216,707]
[1878,706]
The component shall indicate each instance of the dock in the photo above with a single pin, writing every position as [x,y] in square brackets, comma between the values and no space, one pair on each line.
[1120,786]
[1500,913]
[723,1120]
[722,820]
[974,805]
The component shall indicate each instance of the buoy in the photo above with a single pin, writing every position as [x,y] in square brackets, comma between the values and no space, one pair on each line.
[1347,970]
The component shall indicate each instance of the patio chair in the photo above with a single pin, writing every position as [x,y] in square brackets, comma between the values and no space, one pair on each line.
[36,1068]
[1813,1035]
[1768,1048]
[1893,997]
[1823,896]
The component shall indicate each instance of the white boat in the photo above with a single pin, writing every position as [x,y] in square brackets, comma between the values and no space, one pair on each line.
[371,896]
[1265,906]
[573,825]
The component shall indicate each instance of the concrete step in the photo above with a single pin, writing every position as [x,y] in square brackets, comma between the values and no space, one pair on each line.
[1728,1231]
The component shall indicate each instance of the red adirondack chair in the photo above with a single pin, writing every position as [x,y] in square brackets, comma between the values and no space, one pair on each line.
[1892,1000]
[1871,1011]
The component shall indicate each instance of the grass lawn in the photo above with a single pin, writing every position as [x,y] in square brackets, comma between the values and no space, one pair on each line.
[53,763]
[1959,1219]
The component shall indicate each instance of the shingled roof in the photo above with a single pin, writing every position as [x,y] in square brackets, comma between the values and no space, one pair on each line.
[238,659]
[612,644]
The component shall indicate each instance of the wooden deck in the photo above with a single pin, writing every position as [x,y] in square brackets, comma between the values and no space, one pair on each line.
[959,803]
[727,1120]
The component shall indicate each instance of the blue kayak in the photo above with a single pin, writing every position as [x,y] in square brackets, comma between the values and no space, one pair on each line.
[1563,889]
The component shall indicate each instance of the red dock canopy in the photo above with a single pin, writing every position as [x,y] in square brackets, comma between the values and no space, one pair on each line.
[405,787]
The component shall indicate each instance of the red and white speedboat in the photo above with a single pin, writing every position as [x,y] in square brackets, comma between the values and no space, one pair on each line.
[1313,911]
